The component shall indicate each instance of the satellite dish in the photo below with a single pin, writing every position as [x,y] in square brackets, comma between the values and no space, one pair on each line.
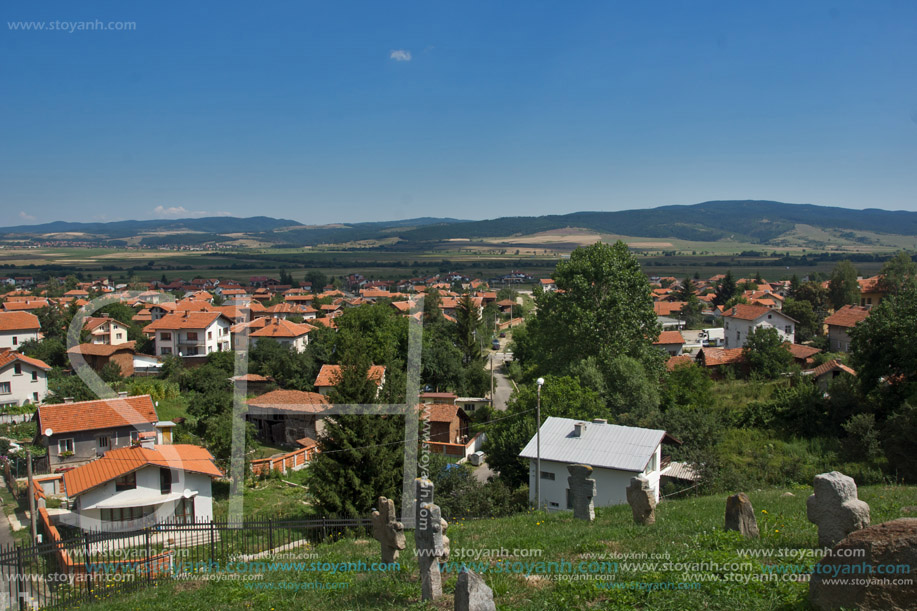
[48,431]
[187,494]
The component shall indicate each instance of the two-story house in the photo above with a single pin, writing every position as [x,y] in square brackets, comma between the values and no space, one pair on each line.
[76,433]
[105,330]
[140,486]
[740,320]
[330,375]
[17,328]
[22,379]
[840,323]
[187,333]
[285,332]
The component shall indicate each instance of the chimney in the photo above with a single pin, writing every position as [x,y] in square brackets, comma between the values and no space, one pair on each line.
[122,394]
[147,440]
[600,421]
[68,399]
[578,429]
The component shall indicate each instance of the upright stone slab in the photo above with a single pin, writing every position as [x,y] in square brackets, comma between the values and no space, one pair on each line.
[740,515]
[387,530]
[582,491]
[835,509]
[642,500]
[430,540]
[472,593]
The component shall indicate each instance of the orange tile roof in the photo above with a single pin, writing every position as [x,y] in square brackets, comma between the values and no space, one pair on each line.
[122,461]
[279,327]
[670,337]
[98,414]
[8,356]
[101,349]
[744,311]
[847,316]
[94,322]
[18,321]
[678,361]
[831,366]
[330,374]
[667,308]
[291,400]
[800,351]
[32,304]
[326,322]
[438,412]
[721,356]
[183,320]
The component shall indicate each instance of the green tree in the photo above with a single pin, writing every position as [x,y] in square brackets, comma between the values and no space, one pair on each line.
[562,397]
[467,329]
[897,273]
[765,353]
[843,288]
[726,289]
[317,279]
[603,309]
[808,322]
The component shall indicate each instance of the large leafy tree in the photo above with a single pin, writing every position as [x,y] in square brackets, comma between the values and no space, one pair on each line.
[843,288]
[468,328]
[807,319]
[726,289]
[765,353]
[603,309]
[897,273]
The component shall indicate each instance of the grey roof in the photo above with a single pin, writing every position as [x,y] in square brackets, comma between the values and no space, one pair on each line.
[625,448]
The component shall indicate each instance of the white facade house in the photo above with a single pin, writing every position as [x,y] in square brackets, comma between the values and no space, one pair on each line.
[295,335]
[104,330]
[17,328]
[22,379]
[187,333]
[740,320]
[140,486]
[616,454]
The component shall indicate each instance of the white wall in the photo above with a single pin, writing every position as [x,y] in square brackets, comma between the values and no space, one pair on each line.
[22,387]
[7,337]
[610,484]
[732,326]
[217,341]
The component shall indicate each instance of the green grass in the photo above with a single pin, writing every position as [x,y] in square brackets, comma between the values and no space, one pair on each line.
[688,530]
[268,498]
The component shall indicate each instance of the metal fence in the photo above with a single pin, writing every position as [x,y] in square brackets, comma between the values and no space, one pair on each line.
[65,572]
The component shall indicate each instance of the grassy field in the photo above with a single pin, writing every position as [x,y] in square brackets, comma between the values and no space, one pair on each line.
[686,531]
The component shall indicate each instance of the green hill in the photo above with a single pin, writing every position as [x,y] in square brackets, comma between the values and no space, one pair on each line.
[708,568]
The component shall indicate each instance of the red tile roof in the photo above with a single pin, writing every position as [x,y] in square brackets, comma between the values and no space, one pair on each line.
[438,412]
[848,316]
[18,321]
[330,374]
[122,461]
[667,308]
[8,356]
[183,320]
[678,361]
[280,327]
[720,356]
[800,351]
[669,337]
[291,400]
[32,304]
[98,414]
[832,365]
[744,311]
[101,349]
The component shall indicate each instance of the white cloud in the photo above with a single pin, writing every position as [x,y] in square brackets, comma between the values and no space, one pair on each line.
[25,217]
[400,55]
[180,212]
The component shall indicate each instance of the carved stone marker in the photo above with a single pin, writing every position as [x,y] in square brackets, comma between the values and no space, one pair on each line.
[642,500]
[835,509]
[740,515]
[430,540]
[582,491]
[472,593]
[387,530]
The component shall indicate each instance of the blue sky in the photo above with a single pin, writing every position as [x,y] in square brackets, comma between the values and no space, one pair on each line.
[344,111]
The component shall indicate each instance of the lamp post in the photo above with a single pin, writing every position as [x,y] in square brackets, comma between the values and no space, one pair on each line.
[540,383]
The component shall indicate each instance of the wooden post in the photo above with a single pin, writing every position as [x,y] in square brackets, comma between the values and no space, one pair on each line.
[31,492]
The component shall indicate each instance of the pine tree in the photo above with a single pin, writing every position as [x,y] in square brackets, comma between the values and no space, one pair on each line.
[468,326]
[725,290]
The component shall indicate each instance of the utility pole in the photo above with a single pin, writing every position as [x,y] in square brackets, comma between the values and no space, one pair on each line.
[31,493]
[492,402]
[540,383]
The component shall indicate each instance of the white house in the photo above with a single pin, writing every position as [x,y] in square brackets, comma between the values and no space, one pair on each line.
[140,486]
[616,454]
[740,320]
[105,330]
[16,328]
[189,333]
[284,332]
[22,379]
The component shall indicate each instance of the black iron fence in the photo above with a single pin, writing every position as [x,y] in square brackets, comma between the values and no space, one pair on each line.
[64,572]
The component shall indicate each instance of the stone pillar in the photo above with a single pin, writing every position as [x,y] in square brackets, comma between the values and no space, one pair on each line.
[740,515]
[642,500]
[472,593]
[582,491]
[387,530]
[835,508]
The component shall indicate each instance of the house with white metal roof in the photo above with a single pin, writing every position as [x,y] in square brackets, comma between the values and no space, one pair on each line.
[616,454]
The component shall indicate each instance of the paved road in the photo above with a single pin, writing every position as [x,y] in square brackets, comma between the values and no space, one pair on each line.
[503,386]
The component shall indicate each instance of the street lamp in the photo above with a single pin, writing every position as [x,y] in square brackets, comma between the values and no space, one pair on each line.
[540,382]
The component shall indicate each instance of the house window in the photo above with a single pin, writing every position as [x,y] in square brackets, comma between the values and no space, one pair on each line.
[209,334]
[651,465]
[165,481]
[15,341]
[788,329]
[17,369]
[126,482]
[738,335]
[5,388]
[124,514]
[770,316]
[184,510]
[135,436]
[64,445]
[34,376]
[104,442]
[119,336]
[166,337]
[35,397]
[547,475]
[192,337]
[569,499]
[165,350]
